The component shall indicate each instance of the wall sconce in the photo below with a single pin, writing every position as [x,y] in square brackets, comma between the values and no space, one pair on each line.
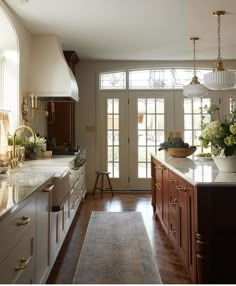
[25,109]
[34,101]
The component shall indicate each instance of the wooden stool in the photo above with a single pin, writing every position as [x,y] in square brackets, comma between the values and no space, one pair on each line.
[102,188]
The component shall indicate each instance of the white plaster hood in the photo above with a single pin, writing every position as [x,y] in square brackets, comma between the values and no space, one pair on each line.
[50,77]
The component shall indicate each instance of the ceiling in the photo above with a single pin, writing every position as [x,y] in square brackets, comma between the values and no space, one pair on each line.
[133,29]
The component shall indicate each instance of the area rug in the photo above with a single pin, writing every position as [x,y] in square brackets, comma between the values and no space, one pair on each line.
[116,250]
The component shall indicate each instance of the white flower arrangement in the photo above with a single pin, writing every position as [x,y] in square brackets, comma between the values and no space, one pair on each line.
[221,135]
[33,143]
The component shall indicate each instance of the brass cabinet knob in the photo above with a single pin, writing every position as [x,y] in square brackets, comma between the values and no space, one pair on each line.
[25,220]
[23,264]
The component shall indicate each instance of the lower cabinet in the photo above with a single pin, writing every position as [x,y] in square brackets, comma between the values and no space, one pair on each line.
[18,241]
[32,235]
[201,223]
[43,205]
[172,201]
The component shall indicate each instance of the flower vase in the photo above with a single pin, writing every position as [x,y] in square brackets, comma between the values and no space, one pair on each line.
[31,153]
[225,164]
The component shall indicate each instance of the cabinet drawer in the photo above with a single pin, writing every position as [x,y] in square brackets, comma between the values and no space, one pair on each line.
[173,194]
[173,228]
[18,267]
[14,227]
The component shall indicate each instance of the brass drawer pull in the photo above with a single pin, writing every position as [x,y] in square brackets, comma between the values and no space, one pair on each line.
[179,187]
[25,220]
[48,188]
[172,229]
[161,167]
[23,263]
[173,202]
[171,180]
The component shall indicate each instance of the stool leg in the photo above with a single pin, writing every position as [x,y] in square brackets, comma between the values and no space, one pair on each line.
[95,185]
[108,178]
[102,187]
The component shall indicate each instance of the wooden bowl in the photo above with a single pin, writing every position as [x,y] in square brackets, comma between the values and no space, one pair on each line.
[181,152]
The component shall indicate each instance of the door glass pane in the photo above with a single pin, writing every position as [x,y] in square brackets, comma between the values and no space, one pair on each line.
[159,105]
[197,121]
[141,154]
[142,170]
[151,138]
[150,105]
[160,121]
[151,126]
[151,121]
[194,113]
[160,137]
[188,121]
[141,121]
[113,155]
[141,137]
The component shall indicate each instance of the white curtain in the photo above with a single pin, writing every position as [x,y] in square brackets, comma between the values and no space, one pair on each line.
[4,130]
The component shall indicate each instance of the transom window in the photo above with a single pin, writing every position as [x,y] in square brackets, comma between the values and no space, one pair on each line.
[148,79]
[115,80]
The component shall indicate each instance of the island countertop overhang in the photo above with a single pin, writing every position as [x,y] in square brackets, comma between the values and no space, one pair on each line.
[198,172]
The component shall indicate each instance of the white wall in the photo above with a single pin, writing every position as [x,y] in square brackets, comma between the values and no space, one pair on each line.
[24,38]
[86,114]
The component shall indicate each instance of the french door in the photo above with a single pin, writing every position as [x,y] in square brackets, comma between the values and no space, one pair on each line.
[132,126]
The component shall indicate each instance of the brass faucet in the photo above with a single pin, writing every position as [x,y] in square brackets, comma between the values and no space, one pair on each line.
[14,140]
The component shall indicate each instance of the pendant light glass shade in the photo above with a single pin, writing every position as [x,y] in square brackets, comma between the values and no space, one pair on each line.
[195,88]
[219,78]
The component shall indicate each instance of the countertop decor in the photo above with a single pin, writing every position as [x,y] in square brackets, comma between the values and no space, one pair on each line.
[222,137]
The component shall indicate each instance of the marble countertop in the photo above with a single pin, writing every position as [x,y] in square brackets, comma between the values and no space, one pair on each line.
[17,184]
[197,171]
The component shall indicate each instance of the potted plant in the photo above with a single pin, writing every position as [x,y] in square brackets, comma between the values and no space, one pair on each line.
[31,144]
[222,137]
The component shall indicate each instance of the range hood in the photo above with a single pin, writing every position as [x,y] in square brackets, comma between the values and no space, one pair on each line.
[50,77]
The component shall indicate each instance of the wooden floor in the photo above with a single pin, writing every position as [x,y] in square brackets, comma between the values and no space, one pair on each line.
[170,268]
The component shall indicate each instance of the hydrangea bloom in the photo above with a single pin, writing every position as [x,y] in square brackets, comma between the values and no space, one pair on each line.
[221,136]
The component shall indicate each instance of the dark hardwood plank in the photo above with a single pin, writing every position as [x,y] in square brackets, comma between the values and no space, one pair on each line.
[170,267]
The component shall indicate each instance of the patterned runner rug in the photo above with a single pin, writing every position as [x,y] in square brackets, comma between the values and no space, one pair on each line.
[116,250]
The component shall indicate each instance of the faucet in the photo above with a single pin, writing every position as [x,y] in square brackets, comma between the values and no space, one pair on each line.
[14,138]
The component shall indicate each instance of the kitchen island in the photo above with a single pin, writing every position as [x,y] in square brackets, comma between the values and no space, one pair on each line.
[195,204]
[38,202]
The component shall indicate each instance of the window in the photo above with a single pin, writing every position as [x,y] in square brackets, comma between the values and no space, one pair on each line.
[151,126]
[162,78]
[194,111]
[149,79]
[9,71]
[113,137]
[115,80]
[1,81]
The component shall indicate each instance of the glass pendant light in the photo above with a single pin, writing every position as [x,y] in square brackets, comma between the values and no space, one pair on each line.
[219,78]
[195,88]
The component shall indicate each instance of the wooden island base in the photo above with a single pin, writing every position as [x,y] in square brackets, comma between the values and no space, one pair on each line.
[199,218]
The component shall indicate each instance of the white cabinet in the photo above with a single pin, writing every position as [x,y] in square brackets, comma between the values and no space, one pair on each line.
[78,189]
[33,232]
[17,245]
[59,225]
[43,207]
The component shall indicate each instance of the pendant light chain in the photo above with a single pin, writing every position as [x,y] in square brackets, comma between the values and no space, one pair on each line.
[219,39]
[194,56]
